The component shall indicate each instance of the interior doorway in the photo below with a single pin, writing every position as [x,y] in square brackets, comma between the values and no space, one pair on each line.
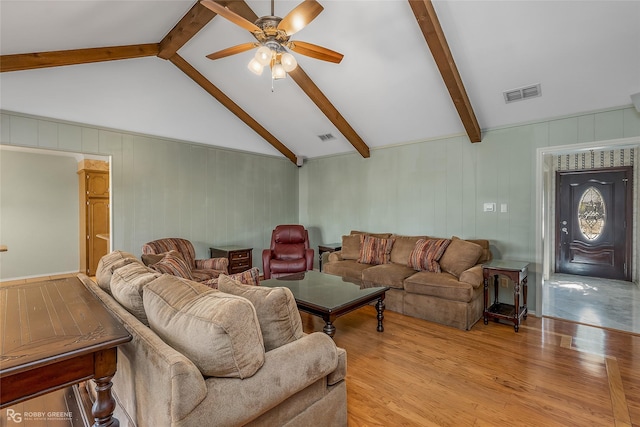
[593,210]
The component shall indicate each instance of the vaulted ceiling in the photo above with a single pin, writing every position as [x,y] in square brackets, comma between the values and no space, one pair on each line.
[412,70]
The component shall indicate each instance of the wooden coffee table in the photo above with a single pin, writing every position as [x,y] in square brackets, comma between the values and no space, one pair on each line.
[329,296]
[57,333]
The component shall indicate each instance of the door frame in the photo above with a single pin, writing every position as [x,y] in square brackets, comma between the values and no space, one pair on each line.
[544,205]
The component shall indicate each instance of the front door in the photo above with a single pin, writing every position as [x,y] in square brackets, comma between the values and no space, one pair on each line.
[593,230]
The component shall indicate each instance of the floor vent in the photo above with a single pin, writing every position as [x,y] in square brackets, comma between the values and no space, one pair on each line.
[326,137]
[522,93]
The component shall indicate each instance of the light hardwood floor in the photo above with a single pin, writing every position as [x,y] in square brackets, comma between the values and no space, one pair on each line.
[550,373]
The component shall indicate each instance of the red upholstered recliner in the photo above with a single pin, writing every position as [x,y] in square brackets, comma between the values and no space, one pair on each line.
[289,252]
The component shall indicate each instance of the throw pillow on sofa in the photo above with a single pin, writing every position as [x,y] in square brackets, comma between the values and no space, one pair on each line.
[460,256]
[248,277]
[127,284]
[217,331]
[276,308]
[375,251]
[173,263]
[351,245]
[427,253]
[150,259]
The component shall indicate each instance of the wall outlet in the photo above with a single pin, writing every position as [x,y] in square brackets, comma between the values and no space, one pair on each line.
[504,282]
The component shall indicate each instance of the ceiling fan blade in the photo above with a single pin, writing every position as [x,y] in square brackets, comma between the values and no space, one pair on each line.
[315,51]
[232,50]
[230,15]
[300,16]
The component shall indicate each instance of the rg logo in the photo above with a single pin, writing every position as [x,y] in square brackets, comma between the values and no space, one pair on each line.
[14,416]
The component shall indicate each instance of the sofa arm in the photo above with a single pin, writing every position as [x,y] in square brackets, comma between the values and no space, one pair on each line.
[286,371]
[335,256]
[218,264]
[473,276]
[266,263]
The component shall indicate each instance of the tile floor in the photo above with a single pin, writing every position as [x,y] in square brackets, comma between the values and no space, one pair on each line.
[605,303]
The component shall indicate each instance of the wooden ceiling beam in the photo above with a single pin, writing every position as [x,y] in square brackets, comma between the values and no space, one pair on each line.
[201,80]
[434,35]
[315,94]
[192,22]
[29,61]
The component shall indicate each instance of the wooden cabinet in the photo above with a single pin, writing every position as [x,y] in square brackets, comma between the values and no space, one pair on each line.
[240,259]
[94,218]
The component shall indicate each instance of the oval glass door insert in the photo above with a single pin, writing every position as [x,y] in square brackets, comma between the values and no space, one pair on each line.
[592,214]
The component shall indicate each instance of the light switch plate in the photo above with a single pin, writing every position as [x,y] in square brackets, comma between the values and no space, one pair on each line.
[489,207]
[503,207]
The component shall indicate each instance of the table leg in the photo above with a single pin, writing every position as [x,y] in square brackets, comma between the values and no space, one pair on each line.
[516,304]
[105,369]
[486,299]
[328,329]
[524,296]
[380,310]
[320,261]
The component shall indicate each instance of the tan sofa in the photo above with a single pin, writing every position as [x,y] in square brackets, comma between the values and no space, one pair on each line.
[204,357]
[453,297]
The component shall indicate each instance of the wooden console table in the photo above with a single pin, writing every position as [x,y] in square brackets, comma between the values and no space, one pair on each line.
[517,271]
[57,333]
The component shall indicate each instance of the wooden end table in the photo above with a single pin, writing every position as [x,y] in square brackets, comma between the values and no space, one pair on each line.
[57,333]
[327,247]
[517,271]
[240,258]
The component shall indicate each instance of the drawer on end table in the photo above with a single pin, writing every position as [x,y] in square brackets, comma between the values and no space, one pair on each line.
[240,259]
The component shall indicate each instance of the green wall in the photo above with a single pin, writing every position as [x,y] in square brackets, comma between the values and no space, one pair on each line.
[39,215]
[168,188]
[438,187]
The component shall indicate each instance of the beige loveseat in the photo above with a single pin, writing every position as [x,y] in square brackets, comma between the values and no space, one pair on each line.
[206,357]
[453,297]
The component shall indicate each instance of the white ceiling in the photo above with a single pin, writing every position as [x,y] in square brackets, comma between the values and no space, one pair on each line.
[585,55]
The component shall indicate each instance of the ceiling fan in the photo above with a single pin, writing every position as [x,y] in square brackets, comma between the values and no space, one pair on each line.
[272,34]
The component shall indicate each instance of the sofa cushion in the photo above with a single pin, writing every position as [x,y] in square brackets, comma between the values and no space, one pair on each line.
[218,332]
[442,285]
[150,259]
[391,275]
[351,245]
[460,256]
[375,250]
[127,284]
[109,263]
[173,263]
[348,268]
[402,248]
[276,308]
[427,253]
[486,250]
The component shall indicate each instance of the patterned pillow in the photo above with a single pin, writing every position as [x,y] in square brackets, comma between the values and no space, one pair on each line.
[427,253]
[173,263]
[249,277]
[375,251]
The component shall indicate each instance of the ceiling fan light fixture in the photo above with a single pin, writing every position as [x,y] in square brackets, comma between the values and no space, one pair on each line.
[255,67]
[263,55]
[278,72]
[289,62]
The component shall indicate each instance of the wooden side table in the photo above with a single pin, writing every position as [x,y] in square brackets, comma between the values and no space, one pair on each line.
[327,247]
[517,271]
[240,258]
[57,333]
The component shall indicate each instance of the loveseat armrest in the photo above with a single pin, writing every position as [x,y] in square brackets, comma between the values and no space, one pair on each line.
[334,256]
[286,371]
[218,264]
[473,276]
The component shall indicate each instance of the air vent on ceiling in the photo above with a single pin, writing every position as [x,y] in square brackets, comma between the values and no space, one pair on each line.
[522,93]
[326,137]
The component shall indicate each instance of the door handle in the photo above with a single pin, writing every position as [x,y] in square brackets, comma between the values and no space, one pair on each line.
[564,230]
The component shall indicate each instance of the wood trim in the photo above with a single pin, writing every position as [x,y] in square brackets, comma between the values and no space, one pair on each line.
[201,80]
[315,94]
[430,26]
[29,61]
